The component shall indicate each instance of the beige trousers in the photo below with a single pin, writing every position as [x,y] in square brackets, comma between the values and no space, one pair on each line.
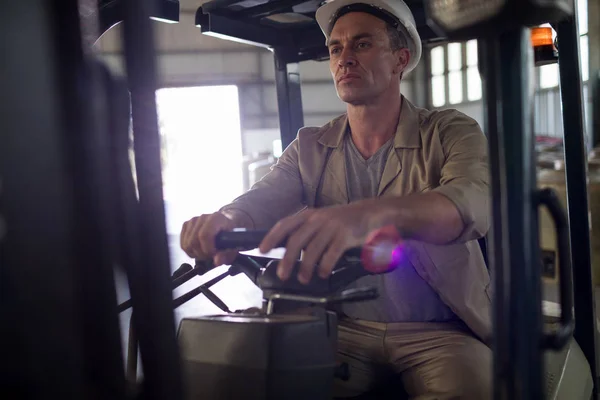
[430,361]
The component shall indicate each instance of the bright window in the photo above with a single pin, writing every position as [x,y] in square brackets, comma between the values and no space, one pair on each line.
[202,171]
[202,150]
[454,73]
[549,76]
[438,77]
[473,78]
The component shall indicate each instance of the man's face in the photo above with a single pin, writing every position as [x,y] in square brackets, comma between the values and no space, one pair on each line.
[362,62]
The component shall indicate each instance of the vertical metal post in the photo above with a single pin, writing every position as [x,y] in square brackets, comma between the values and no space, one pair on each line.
[518,367]
[498,252]
[151,281]
[593,8]
[577,195]
[36,255]
[289,98]
[594,83]
[57,294]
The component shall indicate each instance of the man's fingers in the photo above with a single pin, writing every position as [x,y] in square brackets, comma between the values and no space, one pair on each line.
[183,234]
[314,251]
[190,244]
[295,244]
[184,239]
[198,235]
[206,235]
[224,257]
[280,231]
[334,251]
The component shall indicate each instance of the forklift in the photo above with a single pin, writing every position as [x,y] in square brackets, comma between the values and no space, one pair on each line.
[70,212]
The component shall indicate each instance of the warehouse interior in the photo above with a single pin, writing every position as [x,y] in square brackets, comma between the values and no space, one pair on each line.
[217,106]
[218,110]
[222,126]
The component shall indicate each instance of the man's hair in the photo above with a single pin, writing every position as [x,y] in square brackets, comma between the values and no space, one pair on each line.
[397,38]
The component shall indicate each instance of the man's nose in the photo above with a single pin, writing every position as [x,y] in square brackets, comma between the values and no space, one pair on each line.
[347,59]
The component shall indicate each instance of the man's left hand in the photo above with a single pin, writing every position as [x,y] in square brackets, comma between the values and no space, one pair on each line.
[324,234]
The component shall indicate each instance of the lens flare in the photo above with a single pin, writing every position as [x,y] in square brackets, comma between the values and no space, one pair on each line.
[382,257]
[383,250]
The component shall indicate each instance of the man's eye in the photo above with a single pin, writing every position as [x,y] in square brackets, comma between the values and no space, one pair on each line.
[335,50]
[363,45]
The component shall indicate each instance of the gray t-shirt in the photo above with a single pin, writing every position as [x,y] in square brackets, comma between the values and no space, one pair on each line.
[403,295]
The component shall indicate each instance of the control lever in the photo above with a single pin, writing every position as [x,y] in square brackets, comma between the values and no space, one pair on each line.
[205,290]
[347,296]
[354,295]
[179,278]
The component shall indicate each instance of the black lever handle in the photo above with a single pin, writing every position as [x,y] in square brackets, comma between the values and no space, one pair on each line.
[241,239]
[354,295]
[183,274]
[180,276]
[558,339]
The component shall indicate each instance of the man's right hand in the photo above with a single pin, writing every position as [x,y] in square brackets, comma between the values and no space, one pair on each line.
[198,238]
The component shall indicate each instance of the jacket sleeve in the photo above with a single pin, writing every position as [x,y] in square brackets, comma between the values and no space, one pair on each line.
[465,173]
[277,195]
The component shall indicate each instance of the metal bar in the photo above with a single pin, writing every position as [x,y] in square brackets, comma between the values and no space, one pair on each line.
[308,54]
[86,88]
[594,68]
[36,257]
[499,253]
[517,346]
[216,4]
[205,290]
[269,8]
[132,355]
[238,31]
[525,276]
[54,142]
[577,196]
[595,111]
[151,283]
[289,99]
[183,274]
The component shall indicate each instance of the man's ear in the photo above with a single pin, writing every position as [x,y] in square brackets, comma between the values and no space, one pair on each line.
[402,60]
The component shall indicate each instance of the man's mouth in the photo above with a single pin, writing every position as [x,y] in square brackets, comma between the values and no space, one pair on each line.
[348,77]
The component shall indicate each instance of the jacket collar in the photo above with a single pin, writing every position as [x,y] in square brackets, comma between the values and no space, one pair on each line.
[407,132]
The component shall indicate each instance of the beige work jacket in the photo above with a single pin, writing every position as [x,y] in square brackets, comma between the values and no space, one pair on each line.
[442,151]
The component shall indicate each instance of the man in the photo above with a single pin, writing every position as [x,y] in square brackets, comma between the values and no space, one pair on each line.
[385,162]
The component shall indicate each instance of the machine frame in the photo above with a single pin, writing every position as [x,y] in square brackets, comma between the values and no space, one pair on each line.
[508,103]
[69,134]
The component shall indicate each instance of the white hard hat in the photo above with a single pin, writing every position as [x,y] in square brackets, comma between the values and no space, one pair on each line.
[395,12]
